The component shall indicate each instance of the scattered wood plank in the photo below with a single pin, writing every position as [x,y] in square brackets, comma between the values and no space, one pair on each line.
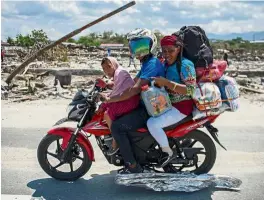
[27,98]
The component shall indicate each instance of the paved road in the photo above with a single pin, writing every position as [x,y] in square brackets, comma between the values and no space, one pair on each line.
[23,126]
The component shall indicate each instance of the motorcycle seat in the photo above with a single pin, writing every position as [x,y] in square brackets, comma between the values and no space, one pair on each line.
[184,120]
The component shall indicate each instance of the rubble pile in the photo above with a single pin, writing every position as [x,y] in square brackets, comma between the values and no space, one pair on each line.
[30,87]
[241,54]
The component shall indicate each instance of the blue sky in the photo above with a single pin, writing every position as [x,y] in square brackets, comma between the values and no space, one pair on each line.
[58,18]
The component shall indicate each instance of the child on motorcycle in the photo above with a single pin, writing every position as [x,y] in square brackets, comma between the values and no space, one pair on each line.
[179,81]
[121,82]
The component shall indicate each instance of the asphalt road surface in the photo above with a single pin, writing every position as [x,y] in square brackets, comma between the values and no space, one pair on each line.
[24,125]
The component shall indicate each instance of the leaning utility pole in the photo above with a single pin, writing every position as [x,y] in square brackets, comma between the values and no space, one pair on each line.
[73,33]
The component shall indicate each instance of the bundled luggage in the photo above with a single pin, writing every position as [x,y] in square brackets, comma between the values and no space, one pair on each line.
[215,92]
[229,92]
[207,96]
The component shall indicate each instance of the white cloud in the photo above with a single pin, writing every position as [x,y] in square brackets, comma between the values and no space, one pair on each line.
[67,7]
[9,8]
[155,8]
[118,2]
[183,12]
[132,10]
[233,26]
[175,4]
[54,34]
[104,11]
[125,19]
[206,4]
[25,29]
[161,22]
[59,18]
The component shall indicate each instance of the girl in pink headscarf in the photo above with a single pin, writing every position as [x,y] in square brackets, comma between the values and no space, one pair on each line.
[121,82]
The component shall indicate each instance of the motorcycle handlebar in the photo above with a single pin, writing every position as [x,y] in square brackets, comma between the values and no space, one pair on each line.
[94,92]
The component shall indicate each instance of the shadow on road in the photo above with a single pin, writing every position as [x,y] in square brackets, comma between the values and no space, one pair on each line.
[103,187]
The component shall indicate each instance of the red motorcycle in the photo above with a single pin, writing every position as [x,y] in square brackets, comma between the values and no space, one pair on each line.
[67,154]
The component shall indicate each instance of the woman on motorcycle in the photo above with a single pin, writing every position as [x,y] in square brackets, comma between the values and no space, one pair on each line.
[180,82]
[142,43]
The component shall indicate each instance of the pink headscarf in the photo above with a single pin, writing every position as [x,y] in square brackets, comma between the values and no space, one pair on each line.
[113,61]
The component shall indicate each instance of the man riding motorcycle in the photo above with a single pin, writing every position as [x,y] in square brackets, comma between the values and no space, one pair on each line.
[142,44]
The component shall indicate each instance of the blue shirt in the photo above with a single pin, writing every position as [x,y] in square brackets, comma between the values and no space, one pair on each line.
[187,71]
[152,67]
[187,77]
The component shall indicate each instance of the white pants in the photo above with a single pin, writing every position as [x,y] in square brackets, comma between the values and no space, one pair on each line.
[155,125]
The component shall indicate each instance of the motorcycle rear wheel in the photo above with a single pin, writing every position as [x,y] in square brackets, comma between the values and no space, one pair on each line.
[209,152]
[52,170]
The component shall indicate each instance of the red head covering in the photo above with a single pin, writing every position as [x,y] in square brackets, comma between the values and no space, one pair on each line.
[168,40]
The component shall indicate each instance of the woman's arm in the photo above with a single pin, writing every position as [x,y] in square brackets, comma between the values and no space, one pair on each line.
[136,89]
[176,87]
[170,85]
[188,77]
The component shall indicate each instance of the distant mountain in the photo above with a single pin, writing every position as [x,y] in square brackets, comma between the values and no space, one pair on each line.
[246,36]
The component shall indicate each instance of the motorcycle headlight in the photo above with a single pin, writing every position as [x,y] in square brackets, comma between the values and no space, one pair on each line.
[69,108]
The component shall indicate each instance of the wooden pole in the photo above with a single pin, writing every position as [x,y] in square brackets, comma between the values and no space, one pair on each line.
[64,38]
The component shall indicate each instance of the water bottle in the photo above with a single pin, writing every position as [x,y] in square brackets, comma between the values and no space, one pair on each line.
[156,100]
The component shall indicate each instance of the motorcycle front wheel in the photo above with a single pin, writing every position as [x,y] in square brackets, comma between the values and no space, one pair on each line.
[49,152]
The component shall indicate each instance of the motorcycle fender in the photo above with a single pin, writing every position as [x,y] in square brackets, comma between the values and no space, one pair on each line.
[65,133]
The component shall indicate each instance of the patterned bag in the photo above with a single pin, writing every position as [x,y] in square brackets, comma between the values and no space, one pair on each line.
[207,96]
[229,91]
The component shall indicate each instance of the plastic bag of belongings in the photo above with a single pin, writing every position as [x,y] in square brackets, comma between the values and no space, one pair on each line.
[229,92]
[215,98]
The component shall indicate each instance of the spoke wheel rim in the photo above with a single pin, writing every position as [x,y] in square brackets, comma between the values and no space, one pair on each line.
[69,163]
[172,168]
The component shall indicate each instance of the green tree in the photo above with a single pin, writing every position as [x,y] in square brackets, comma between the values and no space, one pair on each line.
[238,40]
[88,41]
[36,36]
[93,35]
[71,40]
[10,41]
[107,34]
[28,41]
[39,36]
